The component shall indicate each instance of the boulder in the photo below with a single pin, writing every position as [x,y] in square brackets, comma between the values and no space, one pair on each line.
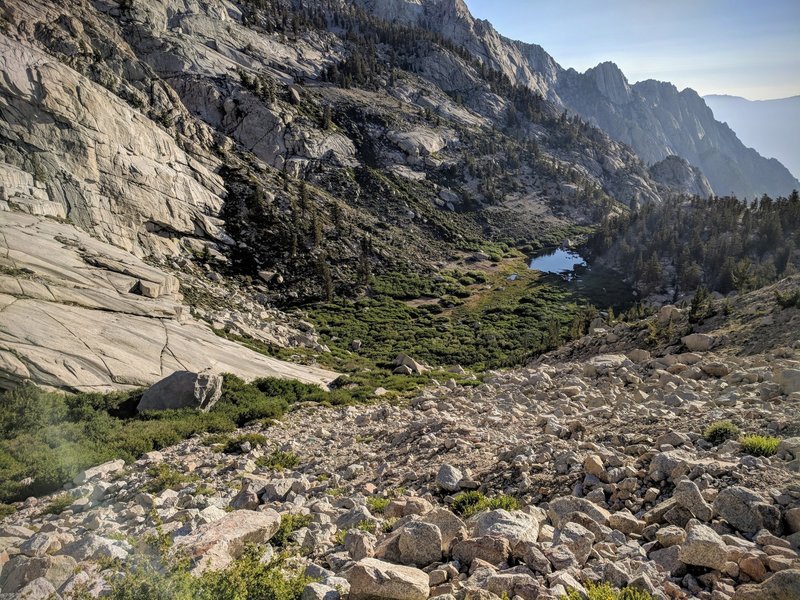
[577,538]
[99,472]
[784,585]
[448,477]
[789,380]
[493,550]
[450,526]
[703,547]
[747,511]
[215,545]
[698,342]
[22,570]
[515,526]
[183,389]
[420,544]
[559,508]
[687,495]
[372,579]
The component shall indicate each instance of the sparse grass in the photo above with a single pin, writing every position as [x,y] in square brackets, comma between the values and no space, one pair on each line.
[467,504]
[279,460]
[289,524]
[760,445]
[720,431]
[377,505]
[166,477]
[58,504]
[605,591]
[368,526]
[233,445]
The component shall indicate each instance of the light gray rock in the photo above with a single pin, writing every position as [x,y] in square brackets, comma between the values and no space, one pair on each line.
[420,544]
[747,511]
[215,545]
[698,342]
[371,578]
[703,547]
[448,477]
[99,472]
[687,495]
[515,526]
[784,585]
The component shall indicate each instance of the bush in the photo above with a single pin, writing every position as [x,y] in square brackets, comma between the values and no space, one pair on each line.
[377,505]
[165,477]
[289,524]
[605,591]
[6,510]
[233,445]
[760,445]
[467,504]
[279,460]
[58,504]
[720,431]
[50,437]
[247,578]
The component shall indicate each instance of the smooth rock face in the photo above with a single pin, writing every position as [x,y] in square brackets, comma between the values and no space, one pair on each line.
[99,472]
[215,545]
[420,544]
[183,389]
[372,579]
[76,324]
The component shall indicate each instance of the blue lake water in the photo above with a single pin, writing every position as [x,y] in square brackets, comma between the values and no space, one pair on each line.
[557,261]
[600,285]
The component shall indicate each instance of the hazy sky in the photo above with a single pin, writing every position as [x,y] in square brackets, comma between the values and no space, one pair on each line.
[747,48]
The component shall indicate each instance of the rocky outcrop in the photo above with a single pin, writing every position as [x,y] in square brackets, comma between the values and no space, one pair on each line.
[652,117]
[81,314]
[677,174]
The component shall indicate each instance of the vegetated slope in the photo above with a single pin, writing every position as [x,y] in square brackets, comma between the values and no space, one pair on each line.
[268,153]
[769,126]
[721,243]
[652,117]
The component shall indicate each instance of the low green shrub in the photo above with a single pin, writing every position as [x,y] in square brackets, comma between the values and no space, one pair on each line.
[467,504]
[247,578]
[720,431]
[6,510]
[377,505]
[165,477]
[58,504]
[760,445]
[289,524]
[234,445]
[278,460]
[605,591]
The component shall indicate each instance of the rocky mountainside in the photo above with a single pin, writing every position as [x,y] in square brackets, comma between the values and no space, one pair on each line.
[592,464]
[769,126]
[652,117]
[256,154]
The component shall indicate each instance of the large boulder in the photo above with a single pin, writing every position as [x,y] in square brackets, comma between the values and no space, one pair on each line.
[698,342]
[448,477]
[747,511]
[784,585]
[372,579]
[99,472]
[515,526]
[183,389]
[560,508]
[215,545]
[789,380]
[703,547]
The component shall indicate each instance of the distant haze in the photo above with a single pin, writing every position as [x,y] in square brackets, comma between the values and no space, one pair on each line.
[770,126]
[738,47]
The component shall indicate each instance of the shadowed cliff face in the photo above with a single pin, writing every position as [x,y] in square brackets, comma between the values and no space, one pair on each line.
[652,117]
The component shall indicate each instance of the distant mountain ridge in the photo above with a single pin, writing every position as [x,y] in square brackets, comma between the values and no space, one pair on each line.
[652,117]
[772,127]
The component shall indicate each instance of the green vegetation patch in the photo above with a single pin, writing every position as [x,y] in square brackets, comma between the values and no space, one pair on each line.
[720,431]
[467,504]
[605,591]
[51,437]
[289,524]
[760,445]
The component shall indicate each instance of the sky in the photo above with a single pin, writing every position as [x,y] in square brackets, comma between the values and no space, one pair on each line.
[748,48]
